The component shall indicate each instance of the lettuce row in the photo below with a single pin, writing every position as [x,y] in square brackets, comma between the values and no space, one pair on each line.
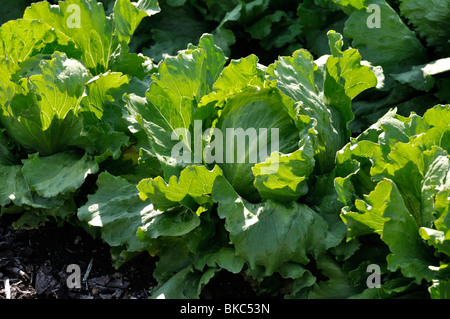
[77,108]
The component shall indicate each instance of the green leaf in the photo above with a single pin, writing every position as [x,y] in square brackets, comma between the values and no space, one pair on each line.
[134,64]
[128,15]
[58,174]
[430,21]
[322,117]
[345,67]
[24,38]
[195,182]
[42,113]
[235,77]
[185,284]
[254,124]
[176,221]
[6,156]
[370,218]
[420,77]
[103,143]
[440,289]
[103,89]
[270,234]
[118,211]
[85,23]
[350,5]
[401,233]
[385,213]
[173,96]
[387,45]
[283,177]
[172,30]
[14,187]
[424,173]
[345,78]
[224,258]
[337,286]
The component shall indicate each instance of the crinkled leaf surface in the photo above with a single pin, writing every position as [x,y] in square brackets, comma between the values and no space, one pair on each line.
[60,173]
[41,115]
[387,45]
[270,234]
[195,182]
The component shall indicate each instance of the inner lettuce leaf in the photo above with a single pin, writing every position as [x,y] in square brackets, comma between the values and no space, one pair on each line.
[254,123]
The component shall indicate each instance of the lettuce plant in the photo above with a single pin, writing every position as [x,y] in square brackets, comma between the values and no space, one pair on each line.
[394,182]
[214,212]
[61,108]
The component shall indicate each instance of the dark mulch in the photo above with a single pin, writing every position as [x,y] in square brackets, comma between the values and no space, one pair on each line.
[34,265]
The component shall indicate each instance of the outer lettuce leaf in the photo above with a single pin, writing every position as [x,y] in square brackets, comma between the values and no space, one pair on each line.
[390,218]
[440,289]
[326,114]
[420,76]
[224,258]
[194,184]
[270,234]
[431,20]
[61,173]
[6,155]
[440,237]
[118,211]
[103,89]
[186,284]
[171,31]
[337,286]
[128,15]
[128,223]
[346,69]
[189,282]
[387,45]
[235,77]
[14,187]
[284,177]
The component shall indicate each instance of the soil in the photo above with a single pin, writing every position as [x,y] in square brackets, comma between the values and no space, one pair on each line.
[34,265]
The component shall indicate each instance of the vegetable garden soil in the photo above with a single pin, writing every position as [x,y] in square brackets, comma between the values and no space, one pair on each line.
[35,264]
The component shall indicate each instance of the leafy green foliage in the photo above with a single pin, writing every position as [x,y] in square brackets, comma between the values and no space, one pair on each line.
[398,189]
[296,144]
